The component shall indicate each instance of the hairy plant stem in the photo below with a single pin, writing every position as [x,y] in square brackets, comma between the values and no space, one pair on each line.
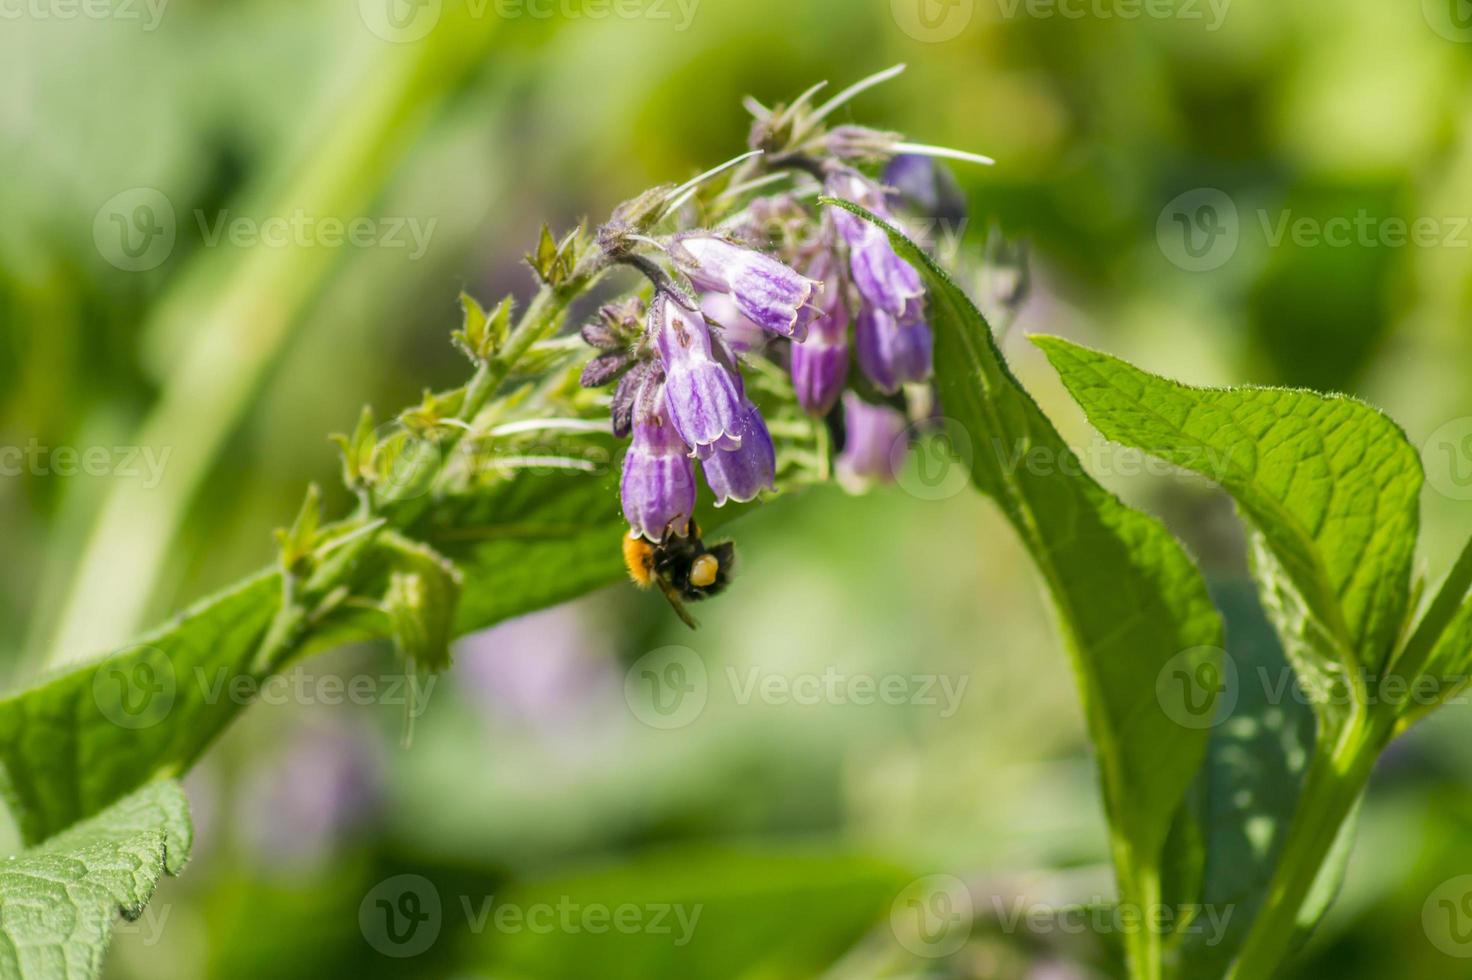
[1336,779]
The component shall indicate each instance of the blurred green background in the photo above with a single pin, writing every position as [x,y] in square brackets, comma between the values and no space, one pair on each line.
[131,130]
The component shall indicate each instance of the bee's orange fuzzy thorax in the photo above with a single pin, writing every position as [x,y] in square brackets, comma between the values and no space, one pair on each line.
[638,558]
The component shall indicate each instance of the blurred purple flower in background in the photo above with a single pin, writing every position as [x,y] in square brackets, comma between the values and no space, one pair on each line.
[327,782]
[551,673]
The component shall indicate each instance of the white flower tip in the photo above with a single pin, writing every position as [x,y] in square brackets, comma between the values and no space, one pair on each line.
[862,85]
[945,152]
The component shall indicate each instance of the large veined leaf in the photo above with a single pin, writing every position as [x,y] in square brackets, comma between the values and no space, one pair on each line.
[1331,488]
[60,899]
[1132,605]
[1330,484]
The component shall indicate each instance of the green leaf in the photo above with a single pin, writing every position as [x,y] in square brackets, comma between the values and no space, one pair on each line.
[1330,484]
[78,741]
[1132,605]
[1434,663]
[59,900]
[528,543]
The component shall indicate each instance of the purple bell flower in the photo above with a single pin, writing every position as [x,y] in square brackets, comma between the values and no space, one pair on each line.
[872,434]
[768,293]
[657,489]
[820,363]
[892,351]
[743,473]
[884,279]
[928,186]
[702,392]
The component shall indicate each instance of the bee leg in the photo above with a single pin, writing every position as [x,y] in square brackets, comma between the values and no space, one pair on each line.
[678,605]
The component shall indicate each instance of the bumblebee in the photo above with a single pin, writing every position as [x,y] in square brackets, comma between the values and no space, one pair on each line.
[684,568]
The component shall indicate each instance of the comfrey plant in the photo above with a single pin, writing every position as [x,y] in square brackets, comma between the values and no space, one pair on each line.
[783,333]
[776,288]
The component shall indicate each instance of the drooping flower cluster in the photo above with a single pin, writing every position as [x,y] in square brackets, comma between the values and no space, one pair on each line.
[782,285]
[682,395]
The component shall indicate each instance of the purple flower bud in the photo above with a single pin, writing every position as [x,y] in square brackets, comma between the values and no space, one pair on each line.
[739,332]
[872,434]
[892,351]
[598,335]
[658,484]
[928,186]
[626,394]
[767,292]
[884,279]
[820,363]
[618,325]
[703,394]
[743,473]
[605,368]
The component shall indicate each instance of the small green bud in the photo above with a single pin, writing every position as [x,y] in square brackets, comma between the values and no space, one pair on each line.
[482,334]
[637,216]
[427,419]
[554,261]
[298,541]
[357,450]
[423,592]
